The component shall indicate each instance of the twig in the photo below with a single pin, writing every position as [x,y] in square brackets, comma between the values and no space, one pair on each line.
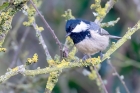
[41,40]
[47,25]
[110,23]
[116,73]
[19,48]
[100,79]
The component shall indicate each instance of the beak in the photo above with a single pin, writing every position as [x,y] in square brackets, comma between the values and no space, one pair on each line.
[68,34]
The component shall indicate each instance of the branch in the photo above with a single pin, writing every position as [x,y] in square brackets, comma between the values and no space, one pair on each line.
[102,11]
[21,69]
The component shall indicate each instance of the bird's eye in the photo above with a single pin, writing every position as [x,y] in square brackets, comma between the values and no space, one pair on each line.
[72,28]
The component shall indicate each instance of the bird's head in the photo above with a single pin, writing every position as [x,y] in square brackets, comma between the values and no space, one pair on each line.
[76,26]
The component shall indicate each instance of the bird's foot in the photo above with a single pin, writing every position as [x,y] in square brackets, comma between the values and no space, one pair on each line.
[101,55]
[85,57]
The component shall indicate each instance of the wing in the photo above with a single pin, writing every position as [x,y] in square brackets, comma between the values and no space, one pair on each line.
[95,27]
[101,31]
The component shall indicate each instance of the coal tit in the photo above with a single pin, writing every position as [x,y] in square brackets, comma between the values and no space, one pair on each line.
[88,37]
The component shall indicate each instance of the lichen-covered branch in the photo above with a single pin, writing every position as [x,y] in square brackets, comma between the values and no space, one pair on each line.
[122,41]
[110,23]
[21,69]
[12,72]
[6,15]
[68,15]
[101,12]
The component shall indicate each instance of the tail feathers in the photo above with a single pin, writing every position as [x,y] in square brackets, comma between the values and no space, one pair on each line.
[114,37]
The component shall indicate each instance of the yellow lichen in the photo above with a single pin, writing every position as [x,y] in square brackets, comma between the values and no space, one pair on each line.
[71,55]
[30,11]
[69,41]
[40,28]
[63,63]
[68,15]
[52,80]
[94,60]
[92,75]
[34,59]
[101,12]
[2,49]
[51,62]
[29,60]
[15,69]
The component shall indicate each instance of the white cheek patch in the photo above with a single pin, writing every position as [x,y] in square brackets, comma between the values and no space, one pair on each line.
[80,27]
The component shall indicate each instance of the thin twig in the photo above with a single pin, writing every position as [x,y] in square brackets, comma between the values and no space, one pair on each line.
[41,40]
[47,25]
[116,73]
[19,48]
[100,79]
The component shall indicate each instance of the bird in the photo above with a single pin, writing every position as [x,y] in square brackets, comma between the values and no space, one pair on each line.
[87,36]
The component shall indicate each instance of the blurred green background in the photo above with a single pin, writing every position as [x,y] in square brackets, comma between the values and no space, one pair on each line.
[126,59]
